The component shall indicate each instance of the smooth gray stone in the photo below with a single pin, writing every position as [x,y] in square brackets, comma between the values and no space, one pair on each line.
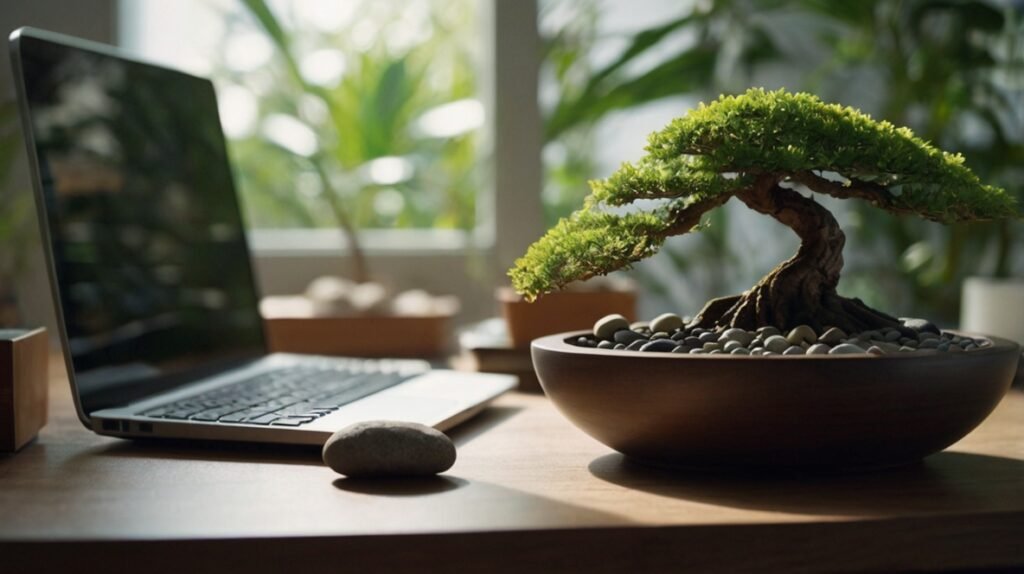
[682,349]
[922,325]
[742,336]
[818,349]
[708,337]
[846,349]
[768,331]
[606,327]
[659,346]
[971,347]
[731,346]
[666,322]
[802,333]
[832,336]
[620,347]
[906,349]
[925,335]
[709,346]
[627,336]
[384,449]
[640,326]
[606,345]
[873,350]
[794,350]
[932,343]
[776,343]
[636,345]
[692,341]
[739,351]
[659,335]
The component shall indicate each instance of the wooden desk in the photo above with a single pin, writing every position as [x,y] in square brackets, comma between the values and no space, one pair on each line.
[529,493]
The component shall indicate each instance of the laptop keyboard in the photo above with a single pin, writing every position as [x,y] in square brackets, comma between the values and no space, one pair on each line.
[291,396]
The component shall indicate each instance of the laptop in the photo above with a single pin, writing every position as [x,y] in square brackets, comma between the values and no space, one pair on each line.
[156,302]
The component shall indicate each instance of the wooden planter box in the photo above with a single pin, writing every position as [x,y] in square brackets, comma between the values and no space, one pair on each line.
[561,311]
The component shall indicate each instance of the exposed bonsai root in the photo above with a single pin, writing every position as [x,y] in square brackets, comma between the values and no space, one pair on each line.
[802,290]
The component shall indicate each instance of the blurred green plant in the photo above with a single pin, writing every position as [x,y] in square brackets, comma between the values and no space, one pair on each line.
[387,140]
[15,205]
[950,70]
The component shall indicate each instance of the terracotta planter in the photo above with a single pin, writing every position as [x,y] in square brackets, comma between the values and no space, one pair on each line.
[561,311]
[831,411]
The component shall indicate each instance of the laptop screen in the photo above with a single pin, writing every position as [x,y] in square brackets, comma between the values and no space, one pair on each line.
[147,241]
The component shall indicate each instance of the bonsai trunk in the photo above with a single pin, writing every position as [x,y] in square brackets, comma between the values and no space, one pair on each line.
[802,290]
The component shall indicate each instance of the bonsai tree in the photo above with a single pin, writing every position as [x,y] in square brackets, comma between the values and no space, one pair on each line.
[765,149]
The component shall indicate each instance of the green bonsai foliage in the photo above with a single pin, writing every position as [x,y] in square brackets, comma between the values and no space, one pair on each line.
[763,148]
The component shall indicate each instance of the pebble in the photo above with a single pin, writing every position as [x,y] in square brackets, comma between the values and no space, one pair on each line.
[818,349]
[698,352]
[682,349]
[659,346]
[926,335]
[768,331]
[606,345]
[627,336]
[832,336]
[776,343]
[800,334]
[385,449]
[709,346]
[620,347]
[707,337]
[893,335]
[731,346]
[874,350]
[845,349]
[659,335]
[640,326]
[921,325]
[667,322]
[932,343]
[744,338]
[794,350]
[636,345]
[606,327]
[692,341]
[739,351]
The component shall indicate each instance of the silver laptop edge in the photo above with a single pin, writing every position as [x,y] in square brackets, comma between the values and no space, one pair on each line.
[437,398]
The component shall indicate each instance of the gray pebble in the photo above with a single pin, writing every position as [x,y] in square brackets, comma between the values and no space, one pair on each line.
[932,343]
[845,349]
[873,350]
[920,325]
[666,322]
[620,347]
[739,351]
[678,336]
[776,343]
[698,352]
[693,341]
[794,350]
[709,346]
[818,349]
[682,349]
[635,345]
[906,349]
[627,336]
[640,326]
[606,326]
[606,345]
[768,331]
[832,336]
[943,346]
[925,335]
[659,346]
[731,346]
[379,449]
[893,335]
[800,334]
[743,337]
[659,335]
[708,337]
[716,352]
[971,347]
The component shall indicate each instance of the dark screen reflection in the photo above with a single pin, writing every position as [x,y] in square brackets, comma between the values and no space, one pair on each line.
[149,247]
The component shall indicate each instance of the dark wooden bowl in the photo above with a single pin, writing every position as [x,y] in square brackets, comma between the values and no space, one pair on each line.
[821,411]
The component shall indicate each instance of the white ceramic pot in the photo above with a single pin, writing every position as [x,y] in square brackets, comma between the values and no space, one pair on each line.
[994,307]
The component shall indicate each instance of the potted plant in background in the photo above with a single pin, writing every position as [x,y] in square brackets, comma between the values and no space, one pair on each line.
[852,386]
[367,145]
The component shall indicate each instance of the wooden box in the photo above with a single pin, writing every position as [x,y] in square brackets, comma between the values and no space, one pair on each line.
[23,386]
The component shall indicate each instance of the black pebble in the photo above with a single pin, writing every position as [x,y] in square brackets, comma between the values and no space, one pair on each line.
[659,346]
[626,337]
[635,345]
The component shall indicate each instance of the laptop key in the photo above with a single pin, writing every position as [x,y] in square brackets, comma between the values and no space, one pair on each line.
[292,421]
[261,420]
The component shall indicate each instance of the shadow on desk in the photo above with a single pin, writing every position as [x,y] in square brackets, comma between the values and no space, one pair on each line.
[945,482]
